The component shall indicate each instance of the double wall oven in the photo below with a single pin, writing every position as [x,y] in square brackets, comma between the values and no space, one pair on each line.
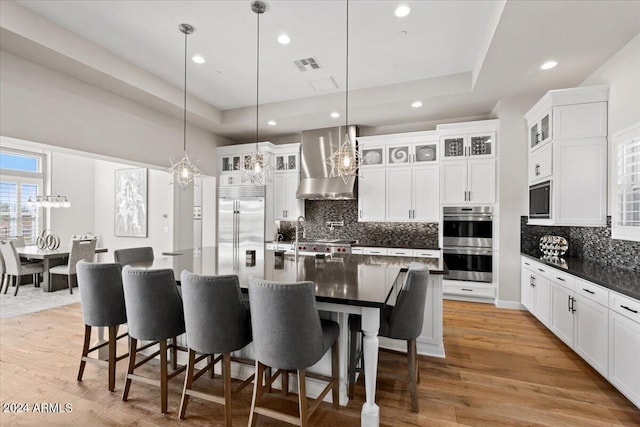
[467,237]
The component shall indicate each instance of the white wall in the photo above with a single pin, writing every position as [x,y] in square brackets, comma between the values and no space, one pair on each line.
[160,212]
[512,193]
[41,105]
[622,73]
[72,176]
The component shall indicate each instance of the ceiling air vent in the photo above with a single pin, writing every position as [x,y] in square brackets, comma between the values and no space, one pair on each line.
[307,64]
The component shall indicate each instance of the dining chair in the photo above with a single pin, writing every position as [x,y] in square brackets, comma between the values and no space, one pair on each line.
[15,269]
[102,304]
[131,255]
[217,322]
[80,250]
[154,313]
[403,321]
[289,335]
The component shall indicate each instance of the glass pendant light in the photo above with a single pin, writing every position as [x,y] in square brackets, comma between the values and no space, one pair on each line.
[258,166]
[344,161]
[184,171]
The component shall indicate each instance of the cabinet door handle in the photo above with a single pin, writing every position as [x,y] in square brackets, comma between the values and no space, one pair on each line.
[588,291]
[413,213]
[630,309]
[541,270]
[360,213]
[537,138]
[573,300]
[537,170]
[561,279]
[569,304]
[466,289]
[469,195]
[526,263]
[409,213]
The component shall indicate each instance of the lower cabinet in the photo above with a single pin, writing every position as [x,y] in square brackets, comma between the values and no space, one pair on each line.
[600,325]
[624,346]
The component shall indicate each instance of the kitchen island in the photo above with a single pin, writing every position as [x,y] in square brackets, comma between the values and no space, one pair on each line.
[345,284]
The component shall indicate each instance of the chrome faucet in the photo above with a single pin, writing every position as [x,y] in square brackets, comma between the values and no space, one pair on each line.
[299,221]
[279,238]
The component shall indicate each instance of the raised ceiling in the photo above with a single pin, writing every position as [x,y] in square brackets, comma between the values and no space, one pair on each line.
[458,57]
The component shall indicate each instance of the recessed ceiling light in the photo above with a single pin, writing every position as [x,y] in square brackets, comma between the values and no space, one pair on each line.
[402,11]
[548,65]
[198,59]
[284,39]
[335,115]
[416,104]
[272,123]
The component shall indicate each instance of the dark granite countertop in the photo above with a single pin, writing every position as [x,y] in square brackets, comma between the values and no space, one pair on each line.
[362,245]
[626,282]
[365,245]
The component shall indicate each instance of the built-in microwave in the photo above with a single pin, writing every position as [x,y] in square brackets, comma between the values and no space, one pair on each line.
[540,200]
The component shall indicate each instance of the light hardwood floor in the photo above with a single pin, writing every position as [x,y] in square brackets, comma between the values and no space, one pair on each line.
[502,368]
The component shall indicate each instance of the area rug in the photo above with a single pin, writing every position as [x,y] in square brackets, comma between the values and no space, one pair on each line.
[30,300]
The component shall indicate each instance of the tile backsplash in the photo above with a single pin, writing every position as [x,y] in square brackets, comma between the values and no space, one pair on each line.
[585,242]
[393,234]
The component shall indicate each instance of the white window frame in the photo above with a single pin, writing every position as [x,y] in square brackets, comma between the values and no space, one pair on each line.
[624,140]
[25,177]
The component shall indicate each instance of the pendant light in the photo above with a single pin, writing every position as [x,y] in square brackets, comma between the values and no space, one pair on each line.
[184,171]
[345,160]
[258,166]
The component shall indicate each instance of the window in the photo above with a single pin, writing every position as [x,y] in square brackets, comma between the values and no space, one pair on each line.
[626,205]
[21,179]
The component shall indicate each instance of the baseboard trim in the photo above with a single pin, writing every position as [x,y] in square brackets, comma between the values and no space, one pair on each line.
[512,305]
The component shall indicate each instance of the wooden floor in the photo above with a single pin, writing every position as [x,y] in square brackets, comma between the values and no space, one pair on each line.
[502,368]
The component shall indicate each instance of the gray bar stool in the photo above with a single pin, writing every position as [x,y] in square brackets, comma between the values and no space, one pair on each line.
[288,334]
[102,303]
[131,255]
[401,322]
[154,313]
[217,321]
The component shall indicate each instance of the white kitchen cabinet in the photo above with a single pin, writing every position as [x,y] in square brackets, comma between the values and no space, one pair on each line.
[286,178]
[536,290]
[468,169]
[400,178]
[285,205]
[562,308]
[582,169]
[468,181]
[540,164]
[413,194]
[473,146]
[540,129]
[591,332]
[372,195]
[571,126]
[624,351]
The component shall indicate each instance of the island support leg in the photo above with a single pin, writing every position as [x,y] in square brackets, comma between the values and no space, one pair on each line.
[370,415]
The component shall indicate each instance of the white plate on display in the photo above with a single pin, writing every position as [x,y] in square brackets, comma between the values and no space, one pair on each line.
[372,158]
[399,155]
[426,154]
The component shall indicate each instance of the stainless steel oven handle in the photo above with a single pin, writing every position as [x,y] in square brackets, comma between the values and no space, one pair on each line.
[467,251]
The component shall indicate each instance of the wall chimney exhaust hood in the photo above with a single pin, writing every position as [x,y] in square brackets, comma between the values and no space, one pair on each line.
[315,180]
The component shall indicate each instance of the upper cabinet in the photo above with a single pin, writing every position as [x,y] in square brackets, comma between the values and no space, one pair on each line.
[567,139]
[399,178]
[468,170]
[286,178]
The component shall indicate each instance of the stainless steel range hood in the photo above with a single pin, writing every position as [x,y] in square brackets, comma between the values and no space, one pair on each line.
[315,182]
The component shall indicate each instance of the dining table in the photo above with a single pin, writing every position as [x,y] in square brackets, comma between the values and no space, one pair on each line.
[50,258]
[344,284]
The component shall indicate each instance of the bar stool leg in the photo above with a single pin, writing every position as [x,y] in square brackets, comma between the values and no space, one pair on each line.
[164,395]
[85,350]
[133,345]
[335,373]
[188,382]
[302,397]
[112,357]
[226,368]
[257,393]
[411,355]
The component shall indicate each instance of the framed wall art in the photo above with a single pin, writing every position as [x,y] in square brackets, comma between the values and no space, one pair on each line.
[130,204]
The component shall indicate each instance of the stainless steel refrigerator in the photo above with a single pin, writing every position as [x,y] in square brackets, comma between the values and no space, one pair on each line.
[241,223]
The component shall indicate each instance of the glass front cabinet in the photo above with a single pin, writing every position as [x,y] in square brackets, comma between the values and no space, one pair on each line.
[468,146]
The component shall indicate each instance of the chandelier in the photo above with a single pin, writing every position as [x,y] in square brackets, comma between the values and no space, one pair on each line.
[344,161]
[184,171]
[49,202]
[258,165]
